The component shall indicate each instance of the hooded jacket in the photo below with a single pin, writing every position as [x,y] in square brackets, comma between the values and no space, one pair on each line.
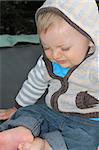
[78,92]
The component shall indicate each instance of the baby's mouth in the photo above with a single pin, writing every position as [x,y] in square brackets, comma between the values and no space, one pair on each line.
[61,61]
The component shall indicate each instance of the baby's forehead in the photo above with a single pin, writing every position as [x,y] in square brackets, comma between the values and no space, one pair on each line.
[62,26]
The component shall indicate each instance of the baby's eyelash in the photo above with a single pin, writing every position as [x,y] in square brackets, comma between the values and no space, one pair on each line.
[65,49]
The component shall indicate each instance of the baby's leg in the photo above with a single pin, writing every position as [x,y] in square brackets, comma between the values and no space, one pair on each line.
[37,144]
[10,139]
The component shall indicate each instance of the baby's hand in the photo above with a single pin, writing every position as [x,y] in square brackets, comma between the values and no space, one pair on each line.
[7,113]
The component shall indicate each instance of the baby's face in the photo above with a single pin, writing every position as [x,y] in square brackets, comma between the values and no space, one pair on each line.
[64,45]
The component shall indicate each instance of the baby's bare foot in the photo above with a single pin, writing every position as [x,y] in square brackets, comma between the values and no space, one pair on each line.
[37,144]
[10,139]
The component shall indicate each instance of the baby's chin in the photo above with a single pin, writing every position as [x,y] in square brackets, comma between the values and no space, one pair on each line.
[66,65]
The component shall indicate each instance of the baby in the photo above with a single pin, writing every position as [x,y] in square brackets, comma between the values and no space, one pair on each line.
[68,68]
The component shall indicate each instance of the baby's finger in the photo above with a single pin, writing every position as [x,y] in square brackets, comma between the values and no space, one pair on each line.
[7,113]
[4,116]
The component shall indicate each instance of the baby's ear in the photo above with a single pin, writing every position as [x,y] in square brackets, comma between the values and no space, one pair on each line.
[91,44]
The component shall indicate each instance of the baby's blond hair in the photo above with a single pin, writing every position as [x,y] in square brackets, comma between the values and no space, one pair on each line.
[46,19]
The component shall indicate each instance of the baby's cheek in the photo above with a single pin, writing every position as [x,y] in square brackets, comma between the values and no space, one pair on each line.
[49,55]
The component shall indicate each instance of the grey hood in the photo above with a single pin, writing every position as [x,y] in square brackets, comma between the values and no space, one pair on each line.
[83,13]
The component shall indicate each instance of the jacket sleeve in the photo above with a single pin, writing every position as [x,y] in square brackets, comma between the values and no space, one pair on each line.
[35,85]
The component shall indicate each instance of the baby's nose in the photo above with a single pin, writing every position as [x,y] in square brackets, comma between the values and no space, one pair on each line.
[56,54]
